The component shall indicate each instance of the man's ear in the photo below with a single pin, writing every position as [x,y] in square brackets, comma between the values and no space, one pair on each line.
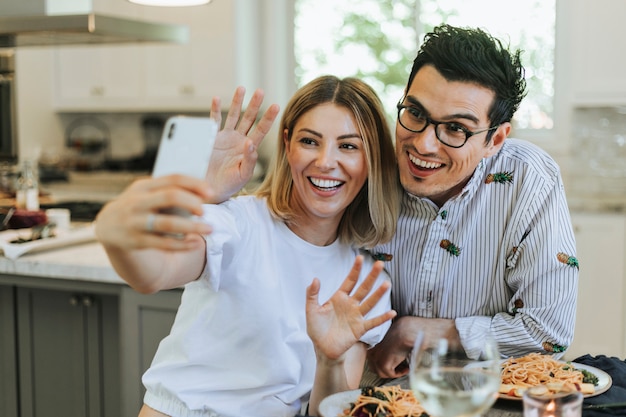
[497,139]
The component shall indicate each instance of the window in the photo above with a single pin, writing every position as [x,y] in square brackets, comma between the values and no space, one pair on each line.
[377,40]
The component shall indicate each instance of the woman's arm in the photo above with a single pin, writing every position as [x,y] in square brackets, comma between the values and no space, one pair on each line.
[336,327]
[148,249]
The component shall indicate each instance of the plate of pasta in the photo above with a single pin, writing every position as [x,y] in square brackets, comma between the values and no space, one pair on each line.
[388,400]
[518,374]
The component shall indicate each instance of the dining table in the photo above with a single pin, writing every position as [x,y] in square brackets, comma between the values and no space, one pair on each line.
[609,403]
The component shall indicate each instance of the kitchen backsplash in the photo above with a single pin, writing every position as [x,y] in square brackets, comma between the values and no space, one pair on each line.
[597,172]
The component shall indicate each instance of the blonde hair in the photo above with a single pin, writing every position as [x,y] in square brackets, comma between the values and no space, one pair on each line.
[371,217]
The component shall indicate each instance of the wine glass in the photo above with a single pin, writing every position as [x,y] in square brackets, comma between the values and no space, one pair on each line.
[448,383]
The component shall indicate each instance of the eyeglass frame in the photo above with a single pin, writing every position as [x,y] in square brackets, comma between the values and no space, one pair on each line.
[468,133]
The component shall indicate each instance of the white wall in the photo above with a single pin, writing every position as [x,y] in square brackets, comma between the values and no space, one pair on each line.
[38,127]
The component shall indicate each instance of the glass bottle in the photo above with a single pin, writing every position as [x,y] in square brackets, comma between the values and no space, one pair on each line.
[27,190]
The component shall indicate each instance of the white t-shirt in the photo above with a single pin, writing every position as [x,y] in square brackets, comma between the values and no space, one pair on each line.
[239,345]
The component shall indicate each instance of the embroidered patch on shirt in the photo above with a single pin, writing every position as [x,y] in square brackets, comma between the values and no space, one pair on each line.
[450,247]
[517,304]
[567,259]
[385,257]
[499,177]
[553,348]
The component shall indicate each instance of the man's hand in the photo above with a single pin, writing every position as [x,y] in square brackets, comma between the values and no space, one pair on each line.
[389,358]
[235,152]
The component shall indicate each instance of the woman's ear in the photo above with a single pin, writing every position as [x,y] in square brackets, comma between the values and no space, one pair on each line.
[286,139]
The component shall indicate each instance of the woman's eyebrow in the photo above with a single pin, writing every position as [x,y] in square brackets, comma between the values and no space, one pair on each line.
[318,134]
[311,131]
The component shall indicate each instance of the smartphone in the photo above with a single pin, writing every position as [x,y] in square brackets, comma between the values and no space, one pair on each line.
[185,148]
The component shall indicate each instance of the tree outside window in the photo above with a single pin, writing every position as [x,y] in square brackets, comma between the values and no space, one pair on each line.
[376,40]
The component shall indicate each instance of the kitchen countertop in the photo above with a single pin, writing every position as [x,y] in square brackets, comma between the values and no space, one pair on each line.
[84,262]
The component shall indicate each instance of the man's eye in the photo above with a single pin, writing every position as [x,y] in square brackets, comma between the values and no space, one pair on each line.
[416,113]
[455,128]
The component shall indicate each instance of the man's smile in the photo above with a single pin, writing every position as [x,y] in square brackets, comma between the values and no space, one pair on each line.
[424,164]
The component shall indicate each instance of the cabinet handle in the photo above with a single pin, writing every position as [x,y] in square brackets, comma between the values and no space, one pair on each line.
[84,300]
[187,90]
[97,91]
[87,301]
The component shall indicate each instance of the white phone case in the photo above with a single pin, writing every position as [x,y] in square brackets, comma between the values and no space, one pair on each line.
[185,148]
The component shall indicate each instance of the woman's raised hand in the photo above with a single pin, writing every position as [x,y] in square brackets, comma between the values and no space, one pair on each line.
[235,152]
[335,326]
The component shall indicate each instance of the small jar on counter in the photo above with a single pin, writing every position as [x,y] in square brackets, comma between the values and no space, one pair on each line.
[27,187]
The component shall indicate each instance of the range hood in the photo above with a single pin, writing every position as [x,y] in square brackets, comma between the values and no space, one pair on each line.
[73,22]
[84,29]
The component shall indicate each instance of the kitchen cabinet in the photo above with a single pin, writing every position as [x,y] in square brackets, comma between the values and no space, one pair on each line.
[147,320]
[98,76]
[65,346]
[8,365]
[77,349]
[600,316]
[153,77]
[596,51]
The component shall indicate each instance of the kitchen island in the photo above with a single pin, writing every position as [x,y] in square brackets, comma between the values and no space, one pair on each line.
[75,337]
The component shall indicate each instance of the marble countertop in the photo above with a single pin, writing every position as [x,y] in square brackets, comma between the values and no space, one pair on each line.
[85,262]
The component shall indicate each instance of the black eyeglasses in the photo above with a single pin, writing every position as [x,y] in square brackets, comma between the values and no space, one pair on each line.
[451,134]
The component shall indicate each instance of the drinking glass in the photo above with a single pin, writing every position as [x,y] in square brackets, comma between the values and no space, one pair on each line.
[448,383]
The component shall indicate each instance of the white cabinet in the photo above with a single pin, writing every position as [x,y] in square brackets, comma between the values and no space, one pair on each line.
[600,316]
[596,50]
[89,77]
[153,77]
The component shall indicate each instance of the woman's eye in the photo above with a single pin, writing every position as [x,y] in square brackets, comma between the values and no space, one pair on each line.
[348,146]
[306,141]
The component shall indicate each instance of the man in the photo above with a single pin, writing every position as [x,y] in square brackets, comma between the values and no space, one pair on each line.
[484,241]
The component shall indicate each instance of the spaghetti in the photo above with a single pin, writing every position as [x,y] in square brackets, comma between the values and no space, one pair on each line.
[536,369]
[391,401]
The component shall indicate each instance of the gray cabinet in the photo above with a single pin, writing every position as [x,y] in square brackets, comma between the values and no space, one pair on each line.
[8,365]
[77,349]
[64,347]
[147,319]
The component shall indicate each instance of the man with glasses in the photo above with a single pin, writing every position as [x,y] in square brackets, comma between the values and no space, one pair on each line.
[484,242]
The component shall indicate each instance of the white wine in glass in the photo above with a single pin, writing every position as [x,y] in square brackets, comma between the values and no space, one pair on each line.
[449,384]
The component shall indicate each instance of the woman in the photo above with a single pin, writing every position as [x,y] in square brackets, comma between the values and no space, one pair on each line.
[239,345]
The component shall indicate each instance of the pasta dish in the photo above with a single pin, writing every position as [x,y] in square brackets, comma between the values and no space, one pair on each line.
[391,401]
[536,369]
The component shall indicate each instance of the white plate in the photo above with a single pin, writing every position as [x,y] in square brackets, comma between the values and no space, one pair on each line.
[604,381]
[62,238]
[334,405]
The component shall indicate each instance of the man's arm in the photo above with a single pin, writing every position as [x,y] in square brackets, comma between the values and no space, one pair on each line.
[543,279]
[389,358]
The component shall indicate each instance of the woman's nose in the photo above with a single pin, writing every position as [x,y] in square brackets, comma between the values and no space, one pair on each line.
[326,158]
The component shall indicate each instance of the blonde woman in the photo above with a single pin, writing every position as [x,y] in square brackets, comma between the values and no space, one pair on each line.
[257,332]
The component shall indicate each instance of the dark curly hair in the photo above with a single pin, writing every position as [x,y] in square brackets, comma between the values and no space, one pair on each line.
[472,55]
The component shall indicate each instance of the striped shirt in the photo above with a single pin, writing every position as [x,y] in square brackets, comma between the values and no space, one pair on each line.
[498,257]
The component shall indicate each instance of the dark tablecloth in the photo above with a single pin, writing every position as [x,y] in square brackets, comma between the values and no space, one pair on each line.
[616,368]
